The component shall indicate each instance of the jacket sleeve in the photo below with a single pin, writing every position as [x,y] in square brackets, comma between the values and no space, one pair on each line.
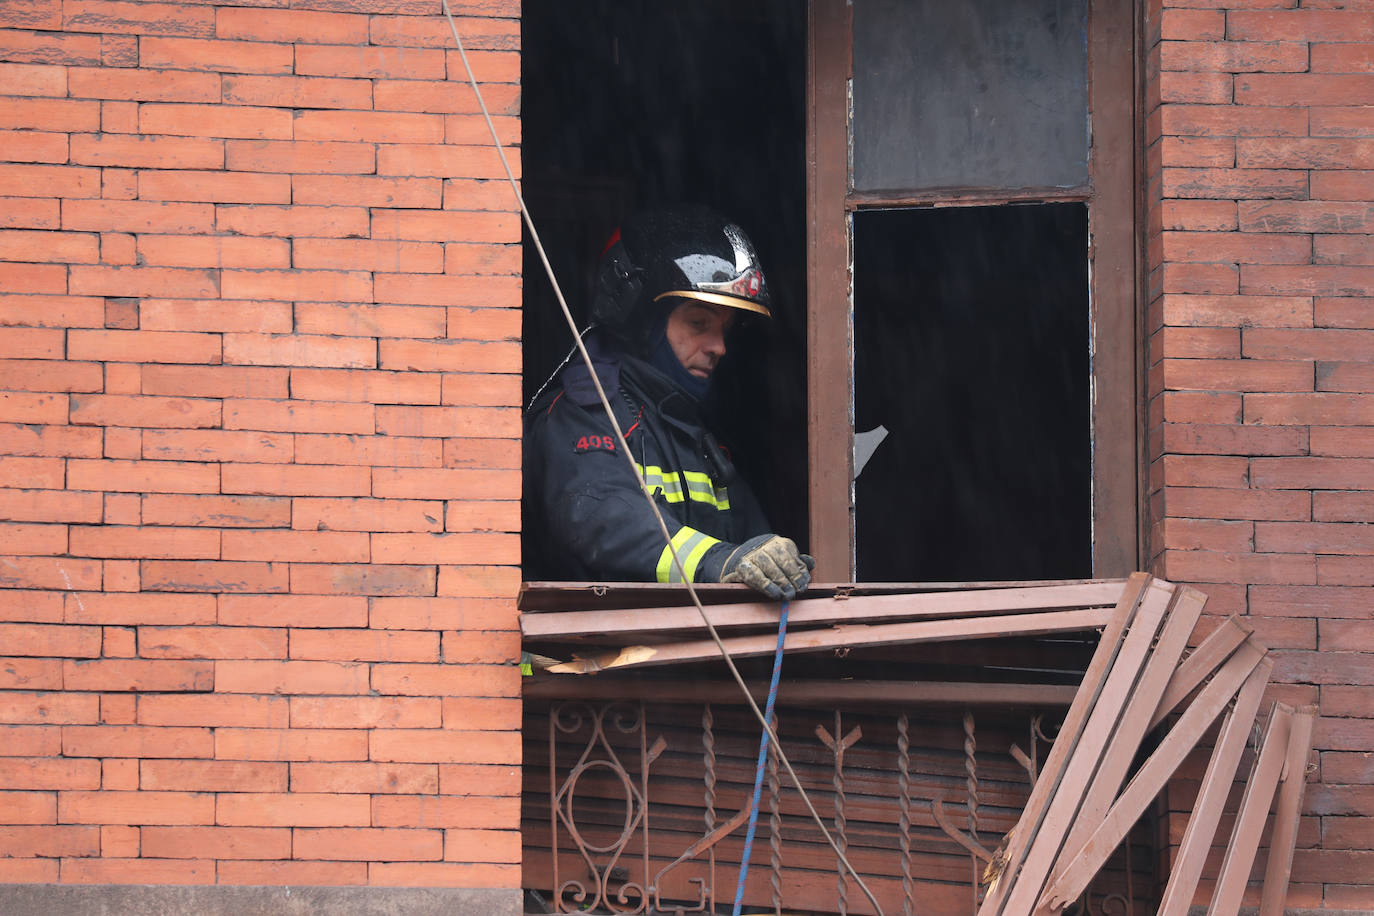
[596,512]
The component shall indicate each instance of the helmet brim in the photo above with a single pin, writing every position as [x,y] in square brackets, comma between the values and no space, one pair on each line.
[733,302]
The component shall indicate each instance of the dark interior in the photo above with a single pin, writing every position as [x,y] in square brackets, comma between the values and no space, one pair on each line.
[628,104]
[971,348]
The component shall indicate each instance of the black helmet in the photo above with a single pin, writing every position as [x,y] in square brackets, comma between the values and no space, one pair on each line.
[685,252]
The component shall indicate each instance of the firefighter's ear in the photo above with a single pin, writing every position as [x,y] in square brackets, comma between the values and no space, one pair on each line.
[618,286]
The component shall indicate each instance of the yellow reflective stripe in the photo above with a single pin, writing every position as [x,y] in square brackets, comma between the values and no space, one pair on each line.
[691,545]
[700,487]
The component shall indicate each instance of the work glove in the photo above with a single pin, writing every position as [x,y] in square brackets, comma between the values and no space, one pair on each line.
[769,563]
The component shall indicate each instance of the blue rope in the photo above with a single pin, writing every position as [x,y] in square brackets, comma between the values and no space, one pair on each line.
[763,754]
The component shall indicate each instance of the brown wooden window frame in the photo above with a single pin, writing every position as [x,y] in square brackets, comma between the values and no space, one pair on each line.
[1114,252]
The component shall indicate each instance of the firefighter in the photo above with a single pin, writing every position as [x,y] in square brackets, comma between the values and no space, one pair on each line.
[670,286]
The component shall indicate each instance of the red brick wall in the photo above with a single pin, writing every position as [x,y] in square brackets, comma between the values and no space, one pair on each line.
[259,458]
[1261,417]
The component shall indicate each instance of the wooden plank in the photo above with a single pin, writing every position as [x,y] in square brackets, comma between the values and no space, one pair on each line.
[1215,649]
[1289,807]
[1211,798]
[555,624]
[805,692]
[1083,859]
[829,328]
[841,637]
[1070,731]
[1078,769]
[1254,809]
[1181,617]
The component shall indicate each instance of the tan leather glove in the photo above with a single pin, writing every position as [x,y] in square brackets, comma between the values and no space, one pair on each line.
[769,563]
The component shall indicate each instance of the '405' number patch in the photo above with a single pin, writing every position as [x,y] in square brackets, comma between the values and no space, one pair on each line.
[595,444]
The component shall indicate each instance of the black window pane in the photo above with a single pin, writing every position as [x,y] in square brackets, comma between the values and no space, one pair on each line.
[973,93]
[971,350]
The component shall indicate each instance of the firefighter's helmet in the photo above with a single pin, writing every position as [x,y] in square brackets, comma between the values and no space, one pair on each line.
[658,256]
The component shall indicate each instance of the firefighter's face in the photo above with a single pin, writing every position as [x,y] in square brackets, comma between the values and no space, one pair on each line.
[696,332]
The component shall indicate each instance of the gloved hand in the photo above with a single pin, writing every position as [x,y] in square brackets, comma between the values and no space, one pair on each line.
[769,563]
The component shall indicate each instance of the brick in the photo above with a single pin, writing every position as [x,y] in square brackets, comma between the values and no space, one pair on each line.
[48,773]
[1342,507]
[32,473]
[1232,121]
[28,808]
[69,641]
[216,511]
[1352,634]
[1237,247]
[363,190]
[137,216]
[1313,473]
[478,845]
[135,808]
[471,130]
[1306,216]
[482,515]
[211,642]
[33,408]
[443,226]
[480,194]
[290,873]
[413,679]
[1342,249]
[299,417]
[295,26]
[362,579]
[1340,57]
[370,62]
[445,483]
[62,709]
[136,741]
[56,312]
[297,546]
[139,609]
[396,451]
[447,422]
[30,740]
[45,47]
[371,387]
[368,712]
[30,278]
[483,713]
[50,115]
[370,778]
[444,548]
[367,843]
[481,390]
[30,213]
[122,16]
[318,222]
[213,315]
[504,453]
[217,445]
[118,642]
[1314,537]
[461,257]
[49,841]
[298,350]
[219,187]
[1323,280]
[1343,313]
[213,55]
[1256,568]
[212,776]
[1241,311]
[367,515]
[31,343]
[481,582]
[1202,502]
[212,711]
[1342,185]
[1319,408]
[292,611]
[370,126]
[411,31]
[1235,183]
[337,285]
[143,346]
[290,744]
[369,320]
[295,809]
[446,746]
[144,85]
[135,282]
[216,842]
[445,811]
[444,97]
[1351,121]
[214,381]
[1310,343]
[142,476]
[1234,56]
[1192,88]
[1237,375]
[203,576]
[50,572]
[1304,89]
[147,151]
[484,323]
[443,161]
[137,871]
[364,645]
[290,677]
[1343,442]
[35,146]
[139,675]
[295,480]
[1312,153]
[412,257]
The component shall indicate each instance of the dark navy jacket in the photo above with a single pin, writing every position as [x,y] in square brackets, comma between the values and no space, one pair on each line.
[586,512]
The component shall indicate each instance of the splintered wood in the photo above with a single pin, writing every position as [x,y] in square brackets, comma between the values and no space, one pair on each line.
[1090,790]
[1138,676]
